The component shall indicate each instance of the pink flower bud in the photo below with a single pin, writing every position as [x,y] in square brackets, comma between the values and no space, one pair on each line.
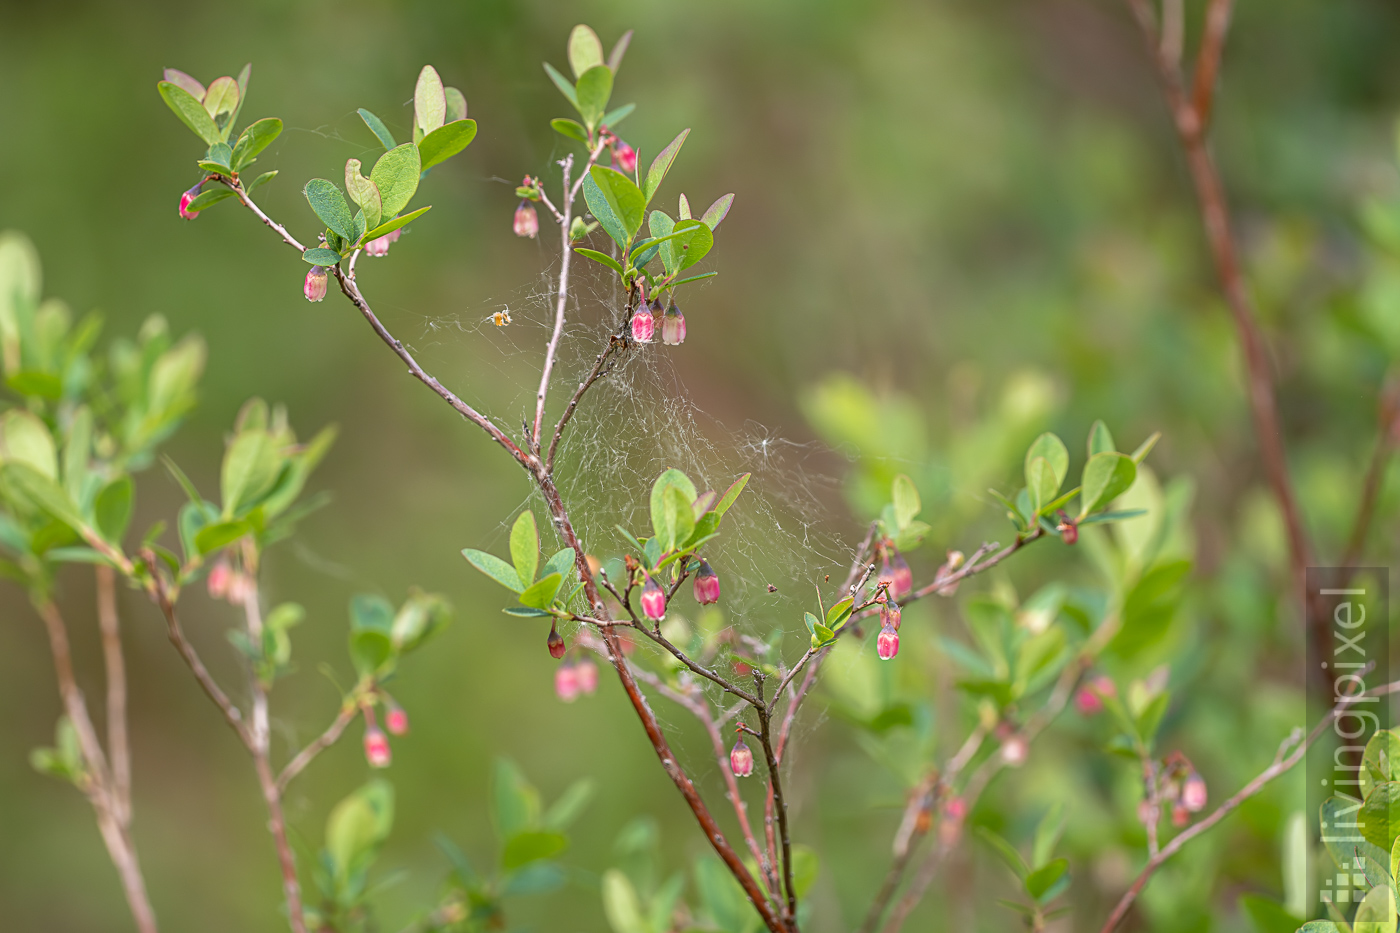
[1103,686]
[653,600]
[1180,816]
[527,222]
[887,642]
[555,643]
[315,287]
[903,577]
[885,579]
[624,158]
[741,759]
[566,686]
[1088,702]
[377,748]
[1068,529]
[706,585]
[955,809]
[643,325]
[673,327]
[1193,793]
[890,616]
[220,575]
[185,199]
[587,676]
[396,719]
[1014,751]
[379,246]
[237,589]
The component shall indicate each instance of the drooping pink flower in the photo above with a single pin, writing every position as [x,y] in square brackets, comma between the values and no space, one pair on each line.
[377,751]
[185,199]
[1088,702]
[643,325]
[673,327]
[315,286]
[220,575]
[527,222]
[1193,793]
[396,719]
[706,584]
[587,676]
[890,616]
[653,600]
[624,158]
[1180,815]
[887,642]
[741,759]
[379,246]
[555,643]
[902,577]
[1014,751]
[566,685]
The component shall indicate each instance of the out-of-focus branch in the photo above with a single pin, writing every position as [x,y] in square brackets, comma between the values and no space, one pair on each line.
[1290,752]
[322,742]
[1191,117]
[118,744]
[98,784]
[1370,495]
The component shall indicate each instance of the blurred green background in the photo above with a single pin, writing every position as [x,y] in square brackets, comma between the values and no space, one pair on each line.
[968,217]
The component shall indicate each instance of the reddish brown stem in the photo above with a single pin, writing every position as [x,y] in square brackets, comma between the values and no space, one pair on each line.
[118,745]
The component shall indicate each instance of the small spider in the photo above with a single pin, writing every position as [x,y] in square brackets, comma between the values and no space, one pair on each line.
[501,318]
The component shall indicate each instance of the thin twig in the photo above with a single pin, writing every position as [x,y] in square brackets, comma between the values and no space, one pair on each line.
[98,784]
[324,741]
[118,745]
[565,255]
[1191,116]
[1284,760]
[1370,493]
[775,788]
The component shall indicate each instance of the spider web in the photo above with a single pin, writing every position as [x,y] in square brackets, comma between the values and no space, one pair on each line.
[635,422]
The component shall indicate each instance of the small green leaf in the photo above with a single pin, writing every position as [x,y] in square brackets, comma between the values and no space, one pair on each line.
[662,164]
[526,612]
[190,84]
[717,211]
[1145,447]
[562,83]
[1040,483]
[370,650]
[357,826]
[330,205]
[429,103]
[907,504]
[615,116]
[621,904]
[396,174]
[679,518]
[377,127]
[731,495]
[218,159]
[692,278]
[532,846]
[569,805]
[1100,440]
[1106,477]
[686,250]
[112,508]
[837,615]
[1006,852]
[570,128]
[603,258]
[1046,879]
[593,90]
[209,198]
[495,568]
[257,137]
[446,141]
[42,491]
[456,105]
[622,199]
[262,179]
[221,97]
[220,535]
[525,547]
[389,226]
[190,111]
[585,51]
[320,256]
[363,192]
[1053,450]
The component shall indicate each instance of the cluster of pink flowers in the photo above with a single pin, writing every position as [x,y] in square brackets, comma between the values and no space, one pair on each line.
[226,583]
[573,678]
[672,323]
[377,751]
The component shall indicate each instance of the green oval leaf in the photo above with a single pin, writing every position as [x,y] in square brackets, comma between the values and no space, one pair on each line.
[377,127]
[389,226]
[1106,477]
[446,141]
[330,205]
[396,174]
[662,164]
[525,547]
[320,256]
[257,137]
[429,102]
[570,128]
[190,111]
[1053,450]
[585,50]
[593,90]
[495,568]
